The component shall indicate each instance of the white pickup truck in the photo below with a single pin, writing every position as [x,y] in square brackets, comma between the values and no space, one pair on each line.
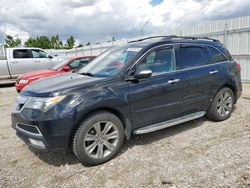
[16,61]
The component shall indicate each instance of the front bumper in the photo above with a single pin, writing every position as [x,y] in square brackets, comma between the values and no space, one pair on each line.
[52,135]
[48,131]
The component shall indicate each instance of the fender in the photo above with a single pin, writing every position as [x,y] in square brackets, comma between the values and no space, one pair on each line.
[116,102]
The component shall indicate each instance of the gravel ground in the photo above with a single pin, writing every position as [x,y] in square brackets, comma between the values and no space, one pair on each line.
[200,153]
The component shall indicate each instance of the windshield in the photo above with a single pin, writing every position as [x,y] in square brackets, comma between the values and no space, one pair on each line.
[59,65]
[111,62]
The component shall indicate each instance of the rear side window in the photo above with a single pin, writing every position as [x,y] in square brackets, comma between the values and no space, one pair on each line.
[21,53]
[192,56]
[217,56]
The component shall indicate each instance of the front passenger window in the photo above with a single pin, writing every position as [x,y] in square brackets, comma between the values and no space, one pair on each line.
[39,54]
[158,61]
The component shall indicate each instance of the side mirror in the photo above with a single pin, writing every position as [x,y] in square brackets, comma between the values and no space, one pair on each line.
[66,68]
[143,74]
[50,56]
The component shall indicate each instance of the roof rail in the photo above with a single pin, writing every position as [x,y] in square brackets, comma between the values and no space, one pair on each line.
[194,38]
[172,37]
[152,37]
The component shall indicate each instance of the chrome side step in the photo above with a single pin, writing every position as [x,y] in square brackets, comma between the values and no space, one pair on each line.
[169,123]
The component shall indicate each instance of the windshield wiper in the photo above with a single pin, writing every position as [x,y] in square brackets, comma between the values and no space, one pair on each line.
[87,74]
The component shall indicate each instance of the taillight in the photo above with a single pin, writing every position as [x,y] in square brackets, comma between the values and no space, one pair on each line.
[238,66]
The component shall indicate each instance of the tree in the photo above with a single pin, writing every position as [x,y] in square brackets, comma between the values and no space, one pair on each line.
[80,45]
[56,43]
[88,43]
[43,42]
[30,42]
[113,38]
[70,42]
[39,42]
[11,42]
[53,42]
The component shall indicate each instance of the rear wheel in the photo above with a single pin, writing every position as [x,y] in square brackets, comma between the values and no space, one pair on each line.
[222,105]
[99,138]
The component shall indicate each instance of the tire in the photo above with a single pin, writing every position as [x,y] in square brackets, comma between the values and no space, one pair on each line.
[98,139]
[222,105]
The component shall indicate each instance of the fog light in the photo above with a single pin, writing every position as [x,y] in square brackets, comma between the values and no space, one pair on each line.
[37,142]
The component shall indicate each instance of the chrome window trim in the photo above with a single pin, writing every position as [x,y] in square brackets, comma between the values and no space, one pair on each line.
[173,45]
[186,69]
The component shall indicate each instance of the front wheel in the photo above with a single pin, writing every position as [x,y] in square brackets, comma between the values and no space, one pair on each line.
[222,105]
[99,138]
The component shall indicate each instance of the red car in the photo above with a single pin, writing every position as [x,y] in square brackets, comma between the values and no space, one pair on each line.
[69,65]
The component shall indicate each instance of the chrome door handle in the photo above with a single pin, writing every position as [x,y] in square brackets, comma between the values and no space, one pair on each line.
[213,72]
[173,81]
[14,61]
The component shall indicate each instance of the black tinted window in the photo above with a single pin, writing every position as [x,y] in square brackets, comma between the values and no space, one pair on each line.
[192,56]
[20,53]
[217,56]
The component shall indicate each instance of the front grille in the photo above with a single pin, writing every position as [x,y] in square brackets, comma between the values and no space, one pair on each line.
[29,128]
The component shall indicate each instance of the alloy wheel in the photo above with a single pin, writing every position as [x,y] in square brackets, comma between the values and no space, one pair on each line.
[101,139]
[224,104]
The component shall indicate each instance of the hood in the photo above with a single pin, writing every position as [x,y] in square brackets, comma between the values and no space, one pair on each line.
[38,74]
[62,83]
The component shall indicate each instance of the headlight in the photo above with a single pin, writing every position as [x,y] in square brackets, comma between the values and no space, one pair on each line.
[43,104]
[23,81]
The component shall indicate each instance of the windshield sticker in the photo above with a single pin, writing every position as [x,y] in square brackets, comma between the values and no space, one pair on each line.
[133,49]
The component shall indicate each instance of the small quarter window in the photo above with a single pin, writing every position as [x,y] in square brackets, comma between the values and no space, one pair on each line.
[217,56]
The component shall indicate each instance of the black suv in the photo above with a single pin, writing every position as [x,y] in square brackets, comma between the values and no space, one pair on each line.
[143,86]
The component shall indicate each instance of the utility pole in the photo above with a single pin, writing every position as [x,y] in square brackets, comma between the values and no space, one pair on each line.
[226,35]
[144,26]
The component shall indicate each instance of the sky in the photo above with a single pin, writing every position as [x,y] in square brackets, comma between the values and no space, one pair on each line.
[100,20]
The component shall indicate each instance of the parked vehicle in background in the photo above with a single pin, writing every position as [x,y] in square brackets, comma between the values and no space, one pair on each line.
[69,65]
[16,61]
[141,87]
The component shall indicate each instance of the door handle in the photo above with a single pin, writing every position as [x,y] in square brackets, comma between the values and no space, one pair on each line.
[213,72]
[173,81]
[37,61]
[14,61]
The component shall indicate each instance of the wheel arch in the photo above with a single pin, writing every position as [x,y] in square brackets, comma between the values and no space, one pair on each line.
[125,121]
[232,87]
